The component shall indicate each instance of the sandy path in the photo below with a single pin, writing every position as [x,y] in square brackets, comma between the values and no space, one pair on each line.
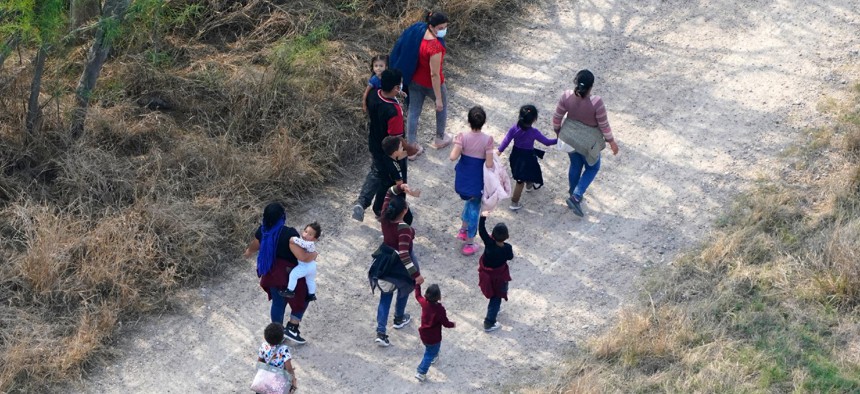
[702,97]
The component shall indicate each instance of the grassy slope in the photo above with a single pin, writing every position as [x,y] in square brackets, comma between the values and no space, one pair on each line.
[771,303]
[258,100]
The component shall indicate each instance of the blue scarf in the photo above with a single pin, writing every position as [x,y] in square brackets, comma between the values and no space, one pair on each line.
[268,246]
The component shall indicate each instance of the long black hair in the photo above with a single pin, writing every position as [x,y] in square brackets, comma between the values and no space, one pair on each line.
[435,18]
[528,115]
[583,80]
[396,206]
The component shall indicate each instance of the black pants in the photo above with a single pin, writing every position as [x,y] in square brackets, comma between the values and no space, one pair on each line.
[373,191]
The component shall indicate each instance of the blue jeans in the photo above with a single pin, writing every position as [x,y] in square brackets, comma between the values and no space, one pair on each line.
[279,308]
[493,308]
[385,307]
[579,180]
[471,213]
[417,93]
[430,353]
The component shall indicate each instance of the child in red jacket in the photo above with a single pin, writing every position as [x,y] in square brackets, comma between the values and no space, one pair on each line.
[433,317]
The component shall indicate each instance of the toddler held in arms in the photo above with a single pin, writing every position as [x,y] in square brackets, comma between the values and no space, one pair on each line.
[305,269]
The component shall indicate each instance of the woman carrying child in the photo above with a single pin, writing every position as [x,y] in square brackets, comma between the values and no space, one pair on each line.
[433,318]
[474,149]
[276,258]
[493,271]
[524,157]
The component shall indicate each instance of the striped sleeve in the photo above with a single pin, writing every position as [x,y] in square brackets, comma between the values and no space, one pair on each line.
[404,245]
[602,118]
[560,110]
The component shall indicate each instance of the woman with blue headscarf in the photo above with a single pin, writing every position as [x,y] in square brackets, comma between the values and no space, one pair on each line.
[277,256]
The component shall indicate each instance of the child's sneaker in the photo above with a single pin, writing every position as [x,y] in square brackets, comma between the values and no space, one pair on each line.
[312,297]
[516,206]
[287,293]
[492,328]
[358,212]
[434,360]
[469,249]
[382,339]
[403,321]
[421,377]
[530,187]
[573,204]
[461,235]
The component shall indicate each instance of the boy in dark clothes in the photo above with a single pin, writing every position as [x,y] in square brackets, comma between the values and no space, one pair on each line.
[493,272]
[385,119]
[433,317]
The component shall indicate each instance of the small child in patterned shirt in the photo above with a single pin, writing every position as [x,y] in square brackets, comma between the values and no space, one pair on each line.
[274,352]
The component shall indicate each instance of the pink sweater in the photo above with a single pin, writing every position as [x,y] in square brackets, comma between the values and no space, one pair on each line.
[588,110]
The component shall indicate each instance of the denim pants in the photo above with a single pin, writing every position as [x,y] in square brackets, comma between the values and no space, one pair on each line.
[471,213]
[493,308]
[384,307]
[374,188]
[430,353]
[417,94]
[279,308]
[304,270]
[579,180]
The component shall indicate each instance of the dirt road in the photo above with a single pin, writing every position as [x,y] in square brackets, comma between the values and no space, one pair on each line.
[702,97]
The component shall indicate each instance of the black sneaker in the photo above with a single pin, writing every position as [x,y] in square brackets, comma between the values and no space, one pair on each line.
[403,321]
[358,212]
[312,297]
[573,204]
[287,293]
[382,339]
[292,332]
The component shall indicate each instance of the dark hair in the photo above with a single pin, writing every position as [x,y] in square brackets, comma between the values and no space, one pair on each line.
[317,229]
[376,58]
[435,18]
[583,80]
[433,294]
[500,232]
[396,206]
[272,213]
[528,115]
[391,78]
[477,117]
[391,144]
[274,333]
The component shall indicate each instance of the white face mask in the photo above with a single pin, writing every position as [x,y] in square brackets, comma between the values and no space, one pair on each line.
[442,33]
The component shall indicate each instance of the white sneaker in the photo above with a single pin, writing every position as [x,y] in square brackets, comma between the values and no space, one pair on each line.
[421,377]
[492,328]
[516,206]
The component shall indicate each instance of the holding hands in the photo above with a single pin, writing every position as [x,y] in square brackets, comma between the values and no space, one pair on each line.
[410,191]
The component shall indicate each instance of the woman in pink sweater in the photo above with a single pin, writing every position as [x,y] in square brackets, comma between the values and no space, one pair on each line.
[578,104]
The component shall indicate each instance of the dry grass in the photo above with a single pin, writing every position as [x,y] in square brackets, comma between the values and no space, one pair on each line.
[197,121]
[771,303]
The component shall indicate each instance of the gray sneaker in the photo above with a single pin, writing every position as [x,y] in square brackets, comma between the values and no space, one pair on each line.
[516,206]
[573,204]
[421,377]
[358,212]
[492,328]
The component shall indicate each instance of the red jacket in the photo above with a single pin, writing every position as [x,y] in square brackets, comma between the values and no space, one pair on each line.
[492,280]
[433,317]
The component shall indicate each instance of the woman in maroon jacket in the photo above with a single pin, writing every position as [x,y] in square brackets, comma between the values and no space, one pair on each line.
[276,258]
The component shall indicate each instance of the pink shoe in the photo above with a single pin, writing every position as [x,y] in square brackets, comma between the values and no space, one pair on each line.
[469,249]
[461,235]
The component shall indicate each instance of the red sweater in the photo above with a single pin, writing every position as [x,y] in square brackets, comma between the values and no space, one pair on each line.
[398,235]
[422,71]
[433,317]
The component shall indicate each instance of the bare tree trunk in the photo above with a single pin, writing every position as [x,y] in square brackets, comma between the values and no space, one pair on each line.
[96,58]
[7,47]
[34,111]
